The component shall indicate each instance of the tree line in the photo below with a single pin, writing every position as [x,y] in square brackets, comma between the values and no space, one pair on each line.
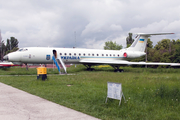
[11,45]
[165,50]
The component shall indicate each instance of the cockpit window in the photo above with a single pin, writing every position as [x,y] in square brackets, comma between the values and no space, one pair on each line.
[20,49]
[23,49]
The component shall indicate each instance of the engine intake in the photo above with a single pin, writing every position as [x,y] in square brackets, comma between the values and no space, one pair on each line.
[135,54]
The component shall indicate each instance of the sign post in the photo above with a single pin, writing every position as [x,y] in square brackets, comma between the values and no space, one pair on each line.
[115,91]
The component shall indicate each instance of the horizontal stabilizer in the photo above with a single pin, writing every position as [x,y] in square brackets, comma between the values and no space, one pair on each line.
[141,40]
[149,34]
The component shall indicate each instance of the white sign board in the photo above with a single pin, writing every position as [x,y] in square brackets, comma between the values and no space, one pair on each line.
[114,91]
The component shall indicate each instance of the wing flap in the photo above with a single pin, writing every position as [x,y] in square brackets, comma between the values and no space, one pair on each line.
[123,62]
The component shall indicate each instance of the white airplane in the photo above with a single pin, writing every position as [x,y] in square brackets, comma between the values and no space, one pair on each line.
[87,57]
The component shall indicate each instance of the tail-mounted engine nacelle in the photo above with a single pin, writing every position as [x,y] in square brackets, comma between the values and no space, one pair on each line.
[134,54]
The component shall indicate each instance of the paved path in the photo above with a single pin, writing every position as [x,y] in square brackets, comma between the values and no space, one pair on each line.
[16,104]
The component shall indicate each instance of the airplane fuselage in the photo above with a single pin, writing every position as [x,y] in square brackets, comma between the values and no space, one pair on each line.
[42,55]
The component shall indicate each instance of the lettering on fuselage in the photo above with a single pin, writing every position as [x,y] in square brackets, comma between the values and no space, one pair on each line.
[70,57]
[25,56]
[65,57]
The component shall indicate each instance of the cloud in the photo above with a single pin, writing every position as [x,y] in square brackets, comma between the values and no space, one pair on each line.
[151,28]
[54,23]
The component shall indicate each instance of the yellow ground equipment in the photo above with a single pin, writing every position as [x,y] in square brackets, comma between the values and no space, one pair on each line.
[42,73]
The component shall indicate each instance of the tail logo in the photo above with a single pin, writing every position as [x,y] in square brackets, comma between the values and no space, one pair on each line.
[141,40]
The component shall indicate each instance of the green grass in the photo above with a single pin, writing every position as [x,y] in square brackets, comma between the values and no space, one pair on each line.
[23,71]
[149,93]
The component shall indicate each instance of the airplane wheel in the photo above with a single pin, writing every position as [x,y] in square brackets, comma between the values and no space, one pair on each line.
[121,70]
[92,69]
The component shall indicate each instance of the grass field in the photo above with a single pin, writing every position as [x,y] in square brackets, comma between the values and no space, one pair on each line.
[149,93]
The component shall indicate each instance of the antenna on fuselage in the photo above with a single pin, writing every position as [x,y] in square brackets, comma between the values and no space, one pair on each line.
[75,39]
[0,37]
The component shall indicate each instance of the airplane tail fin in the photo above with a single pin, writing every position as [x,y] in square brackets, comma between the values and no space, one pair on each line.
[141,40]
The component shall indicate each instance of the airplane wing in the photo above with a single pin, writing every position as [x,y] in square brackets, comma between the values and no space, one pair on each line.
[123,62]
[6,64]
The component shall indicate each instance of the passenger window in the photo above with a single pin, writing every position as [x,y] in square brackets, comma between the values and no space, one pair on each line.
[106,54]
[60,53]
[118,55]
[97,54]
[89,54]
[79,54]
[69,53]
[64,53]
[92,54]
[110,55]
[114,55]
[102,54]
[84,54]
[75,54]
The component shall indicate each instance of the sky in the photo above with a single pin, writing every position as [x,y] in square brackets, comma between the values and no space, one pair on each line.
[86,23]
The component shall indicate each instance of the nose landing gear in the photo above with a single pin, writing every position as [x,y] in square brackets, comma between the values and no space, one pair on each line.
[89,68]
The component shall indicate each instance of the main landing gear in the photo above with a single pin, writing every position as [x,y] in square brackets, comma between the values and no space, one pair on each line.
[117,69]
[89,67]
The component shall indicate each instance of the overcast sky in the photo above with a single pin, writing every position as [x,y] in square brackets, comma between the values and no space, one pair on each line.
[59,23]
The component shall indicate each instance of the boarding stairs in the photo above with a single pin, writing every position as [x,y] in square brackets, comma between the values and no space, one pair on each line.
[58,61]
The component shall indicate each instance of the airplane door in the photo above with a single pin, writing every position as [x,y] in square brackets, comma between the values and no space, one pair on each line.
[55,53]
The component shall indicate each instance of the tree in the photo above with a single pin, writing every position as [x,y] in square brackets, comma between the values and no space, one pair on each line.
[109,45]
[176,55]
[149,43]
[163,44]
[166,49]
[11,45]
[129,40]
[2,50]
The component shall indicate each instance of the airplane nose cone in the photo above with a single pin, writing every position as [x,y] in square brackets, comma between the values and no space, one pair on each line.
[6,57]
